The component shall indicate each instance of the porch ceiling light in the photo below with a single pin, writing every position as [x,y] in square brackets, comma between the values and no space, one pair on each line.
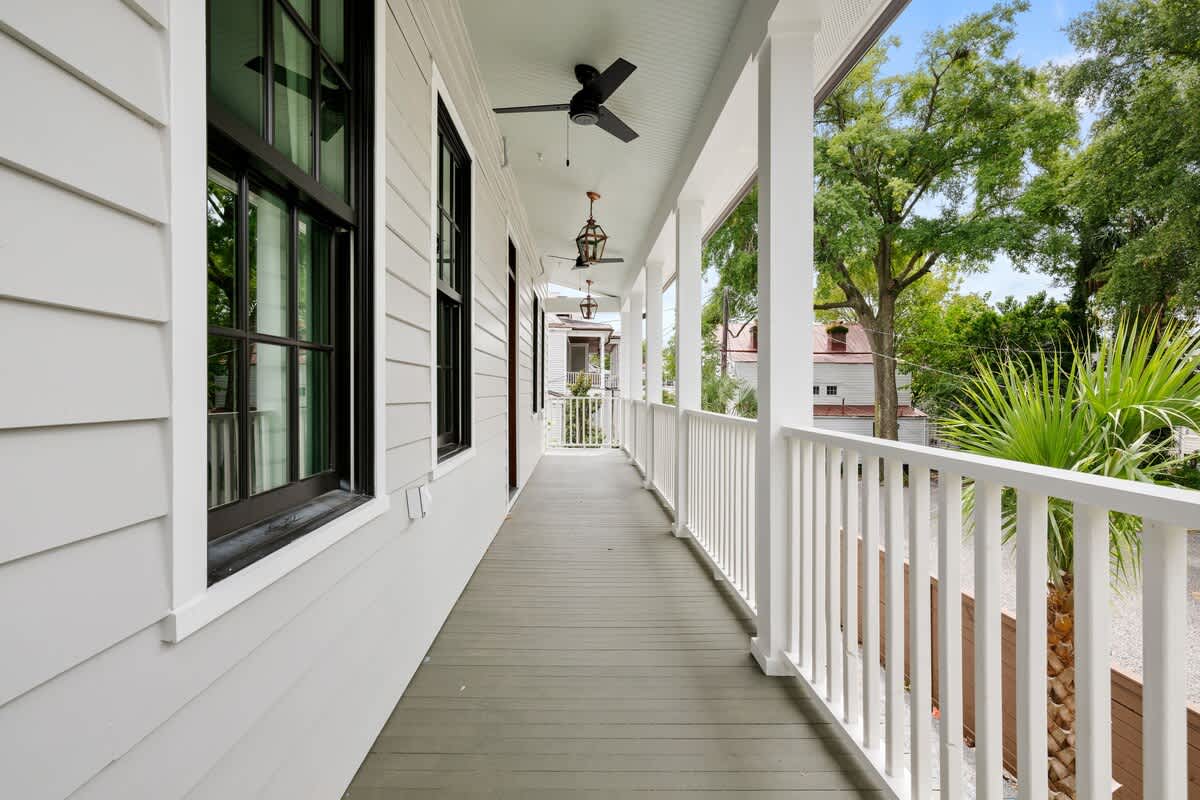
[587,306]
[591,238]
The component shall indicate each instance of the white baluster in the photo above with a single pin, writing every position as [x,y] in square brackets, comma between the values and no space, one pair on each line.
[1093,657]
[894,583]
[920,669]
[1032,578]
[950,696]
[833,591]
[871,687]
[989,765]
[1164,659]
[850,585]
[818,564]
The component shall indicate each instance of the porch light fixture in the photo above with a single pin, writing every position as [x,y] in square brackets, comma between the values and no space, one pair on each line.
[587,306]
[591,238]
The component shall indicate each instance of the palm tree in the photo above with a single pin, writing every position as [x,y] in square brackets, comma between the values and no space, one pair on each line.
[1103,413]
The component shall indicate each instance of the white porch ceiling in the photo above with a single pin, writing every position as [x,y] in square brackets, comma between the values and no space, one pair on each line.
[527,51]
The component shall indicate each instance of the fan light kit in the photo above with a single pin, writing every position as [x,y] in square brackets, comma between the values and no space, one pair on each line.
[587,306]
[587,105]
[591,239]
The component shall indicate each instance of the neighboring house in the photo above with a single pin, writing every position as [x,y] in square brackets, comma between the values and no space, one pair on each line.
[843,379]
[573,348]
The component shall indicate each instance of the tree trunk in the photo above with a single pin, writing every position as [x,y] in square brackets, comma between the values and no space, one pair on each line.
[883,343]
[1060,696]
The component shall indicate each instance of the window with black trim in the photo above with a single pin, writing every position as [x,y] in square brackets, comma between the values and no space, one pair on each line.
[542,386]
[536,355]
[288,207]
[453,289]
[831,390]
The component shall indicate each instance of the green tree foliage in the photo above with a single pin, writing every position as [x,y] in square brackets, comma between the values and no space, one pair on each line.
[1133,193]
[948,345]
[927,167]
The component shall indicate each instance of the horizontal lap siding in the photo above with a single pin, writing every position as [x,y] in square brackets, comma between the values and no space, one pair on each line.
[281,696]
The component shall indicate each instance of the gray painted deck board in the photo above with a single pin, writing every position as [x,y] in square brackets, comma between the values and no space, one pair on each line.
[591,655]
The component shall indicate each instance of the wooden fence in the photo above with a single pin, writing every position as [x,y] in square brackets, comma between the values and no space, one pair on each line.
[1126,692]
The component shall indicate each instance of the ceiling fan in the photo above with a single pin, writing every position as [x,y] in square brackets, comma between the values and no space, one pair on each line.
[581,264]
[587,105]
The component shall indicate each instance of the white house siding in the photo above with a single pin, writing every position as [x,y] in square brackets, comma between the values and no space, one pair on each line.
[280,696]
[556,360]
[855,382]
[912,430]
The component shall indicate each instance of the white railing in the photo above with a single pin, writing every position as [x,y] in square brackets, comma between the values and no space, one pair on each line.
[888,502]
[584,422]
[593,377]
[721,502]
[662,460]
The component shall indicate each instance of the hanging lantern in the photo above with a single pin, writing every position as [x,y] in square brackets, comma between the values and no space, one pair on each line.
[587,306]
[591,238]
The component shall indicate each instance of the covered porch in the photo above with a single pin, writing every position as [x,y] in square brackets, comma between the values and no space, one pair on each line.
[601,660]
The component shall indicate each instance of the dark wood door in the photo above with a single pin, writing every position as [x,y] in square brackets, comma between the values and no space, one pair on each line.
[513,340]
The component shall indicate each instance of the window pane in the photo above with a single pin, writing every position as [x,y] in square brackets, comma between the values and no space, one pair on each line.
[314,412]
[333,132]
[270,235]
[447,379]
[293,91]
[235,58]
[446,251]
[315,257]
[268,416]
[222,250]
[333,29]
[222,421]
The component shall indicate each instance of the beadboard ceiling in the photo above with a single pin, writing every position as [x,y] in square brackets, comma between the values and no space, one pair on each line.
[527,52]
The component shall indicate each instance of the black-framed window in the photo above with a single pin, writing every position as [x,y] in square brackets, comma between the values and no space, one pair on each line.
[542,374]
[453,289]
[288,210]
[536,354]
[831,390]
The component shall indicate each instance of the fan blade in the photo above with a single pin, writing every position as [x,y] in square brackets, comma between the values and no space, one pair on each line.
[607,82]
[615,125]
[528,109]
[562,258]
[609,261]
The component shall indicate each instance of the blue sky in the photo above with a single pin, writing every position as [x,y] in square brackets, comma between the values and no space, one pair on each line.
[1040,39]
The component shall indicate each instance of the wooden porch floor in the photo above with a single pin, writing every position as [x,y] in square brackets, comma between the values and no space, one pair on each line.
[591,655]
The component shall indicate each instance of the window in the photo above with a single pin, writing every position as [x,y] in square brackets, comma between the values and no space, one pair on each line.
[816,390]
[453,290]
[831,390]
[289,381]
[535,356]
[541,323]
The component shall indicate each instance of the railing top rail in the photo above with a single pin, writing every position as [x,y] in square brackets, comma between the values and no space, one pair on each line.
[663,406]
[726,419]
[1165,504]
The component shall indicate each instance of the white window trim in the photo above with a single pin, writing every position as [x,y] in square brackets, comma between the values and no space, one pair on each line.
[194,604]
[438,88]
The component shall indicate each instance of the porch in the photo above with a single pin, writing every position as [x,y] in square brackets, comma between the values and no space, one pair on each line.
[601,660]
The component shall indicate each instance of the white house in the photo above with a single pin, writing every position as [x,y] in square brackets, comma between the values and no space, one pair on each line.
[277,518]
[577,347]
[843,387]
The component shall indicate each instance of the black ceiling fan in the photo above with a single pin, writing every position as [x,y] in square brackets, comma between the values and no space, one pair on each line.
[587,105]
[581,264]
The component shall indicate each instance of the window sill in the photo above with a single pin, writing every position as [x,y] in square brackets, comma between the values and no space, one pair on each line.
[242,585]
[452,463]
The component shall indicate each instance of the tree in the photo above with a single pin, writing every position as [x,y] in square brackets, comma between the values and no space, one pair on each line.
[925,168]
[945,346]
[1091,414]
[1135,188]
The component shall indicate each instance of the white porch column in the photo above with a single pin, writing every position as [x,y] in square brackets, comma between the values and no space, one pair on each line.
[637,307]
[687,343]
[625,360]
[785,305]
[654,327]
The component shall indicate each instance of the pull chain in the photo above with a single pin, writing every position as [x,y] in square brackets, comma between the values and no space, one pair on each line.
[568,141]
